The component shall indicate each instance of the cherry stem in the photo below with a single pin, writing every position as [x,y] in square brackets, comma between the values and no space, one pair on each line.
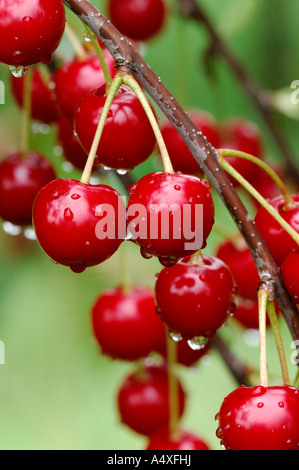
[251,190]
[115,85]
[99,51]
[289,201]
[279,344]
[197,258]
[75,42]
[263,296]
[130,81]
[172,384]
[27,107]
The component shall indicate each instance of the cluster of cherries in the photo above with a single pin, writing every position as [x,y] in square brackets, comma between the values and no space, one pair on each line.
[194,294]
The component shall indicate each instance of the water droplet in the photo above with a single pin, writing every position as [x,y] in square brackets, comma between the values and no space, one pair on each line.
[258,391]
[27,20]
[75,196]
[29,233]
[219,433]
[78,268]
[177,187]
[260,404]
[197,343]
[175,336]
[217,417]
[18,71]
[68,215]
[281,404]
[56,195]
[145,254]
[132,188]
[168,262]
[11,229]
[122,171]
[87,37]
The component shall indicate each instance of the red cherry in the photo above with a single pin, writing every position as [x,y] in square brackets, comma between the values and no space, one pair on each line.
[241,134]
[127,120]
[138,19]
[30,31]
[260,418]
[125,323]
[181,203]
[143,399]
[72,149]
[181,158]
[243,268]
[66,215]
[247,314]
[289,271]
[21,178]
[195,300]
[278,241]
[182,440]
[44,108]
[78,76]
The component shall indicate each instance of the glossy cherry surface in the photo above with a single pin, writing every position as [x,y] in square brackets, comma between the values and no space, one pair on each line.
[72,149]
[278,241]
[137,19]
[143,399]
[78,76]
[21,178]
[125,322]
[182,440]
[30,30]
[195,299]
[170,215]
[180,156]
[259,418]
[127,139]
[289,271]
[243,268]
[70,220]
[43,106]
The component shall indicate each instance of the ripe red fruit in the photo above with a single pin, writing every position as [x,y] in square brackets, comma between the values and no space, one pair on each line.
[66,215]
[125,323]
[181,158]
[260,418]
[78,76]
[239,259]
[21,178]
[127,120]
[137,19]
[165,217]
[72,149]
[247,313]
[43,107]
[278,241]
[195,300]
[182,440]
[143,400]
[30,31]
[289,271]
[241,134]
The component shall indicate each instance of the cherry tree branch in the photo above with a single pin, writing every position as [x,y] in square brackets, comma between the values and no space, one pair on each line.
[258,95]
[205,155]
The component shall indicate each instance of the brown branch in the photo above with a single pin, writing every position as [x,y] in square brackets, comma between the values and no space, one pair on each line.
[259,96]
[203,152]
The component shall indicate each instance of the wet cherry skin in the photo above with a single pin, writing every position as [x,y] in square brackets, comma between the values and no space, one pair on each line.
[183,440]
[143,399]
[44,106]
[135,140]
[137,19]
[30,30]
[186,356]
[72,149]
[78,76]
[242,266]
[260,418]
[21,178]
[125,323]
[278,241]
[181,158]
[195,300]
[66,214]
[289,271]
[170,197]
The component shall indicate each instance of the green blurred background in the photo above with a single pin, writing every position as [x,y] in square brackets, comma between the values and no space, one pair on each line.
[57,391]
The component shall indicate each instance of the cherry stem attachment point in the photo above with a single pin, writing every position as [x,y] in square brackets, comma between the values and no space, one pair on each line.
[263,296]
[279,344]
[251,190]
[113,89]
[131,82]
[27,108]
[289,201]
